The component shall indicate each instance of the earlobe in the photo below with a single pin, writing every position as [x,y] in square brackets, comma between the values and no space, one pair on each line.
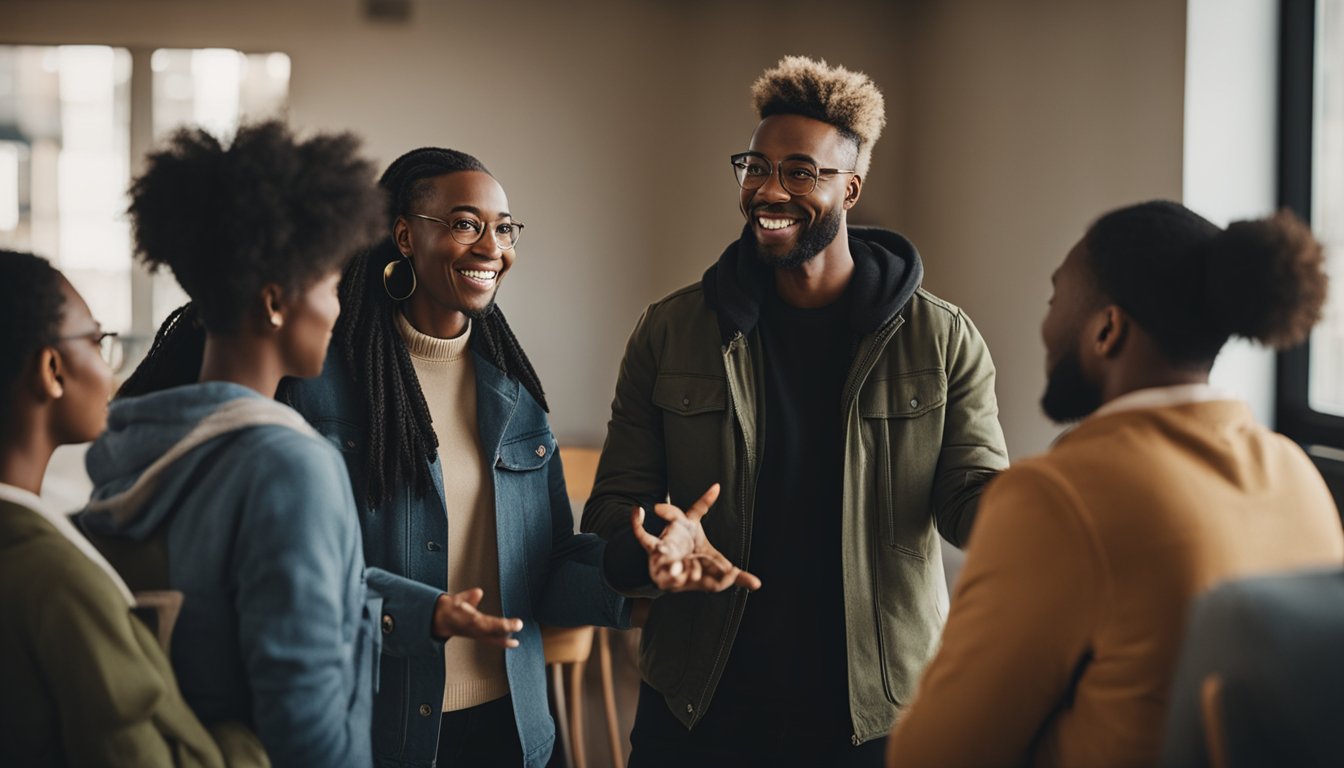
[401,235]
[852,191]
[51,380]
[272,296]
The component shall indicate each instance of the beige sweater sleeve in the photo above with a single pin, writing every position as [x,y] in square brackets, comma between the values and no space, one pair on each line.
[1020,624]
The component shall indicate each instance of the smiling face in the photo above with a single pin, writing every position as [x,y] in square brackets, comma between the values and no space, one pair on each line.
[790,230]
[455,281]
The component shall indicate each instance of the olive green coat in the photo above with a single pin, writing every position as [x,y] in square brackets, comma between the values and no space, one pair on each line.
[921,440]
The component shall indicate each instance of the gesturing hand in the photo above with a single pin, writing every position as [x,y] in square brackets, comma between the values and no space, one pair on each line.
[456,616]
[682,559]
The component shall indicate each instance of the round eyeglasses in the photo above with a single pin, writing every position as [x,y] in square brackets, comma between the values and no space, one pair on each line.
[109,346]
[468,230]
[797,177]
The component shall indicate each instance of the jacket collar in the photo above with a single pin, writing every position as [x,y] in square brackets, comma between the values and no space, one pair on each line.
[887,271]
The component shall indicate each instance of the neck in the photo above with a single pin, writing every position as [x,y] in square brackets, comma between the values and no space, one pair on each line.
[1130,381]
[819,281]
[24,458]
[432,320]
[246,360]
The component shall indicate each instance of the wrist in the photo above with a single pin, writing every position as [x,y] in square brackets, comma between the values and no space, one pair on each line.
[439,625]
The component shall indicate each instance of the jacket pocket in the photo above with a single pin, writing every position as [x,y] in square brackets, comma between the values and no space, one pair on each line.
[693,410]
[903,415]
[527,453]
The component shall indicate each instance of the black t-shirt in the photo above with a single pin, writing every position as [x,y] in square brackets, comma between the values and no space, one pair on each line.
[785,682]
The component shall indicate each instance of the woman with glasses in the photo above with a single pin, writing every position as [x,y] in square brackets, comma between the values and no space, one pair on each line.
[204,484]
[442,421]
[85,681]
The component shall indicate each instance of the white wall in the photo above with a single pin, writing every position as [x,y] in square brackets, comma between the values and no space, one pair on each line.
[1231,106]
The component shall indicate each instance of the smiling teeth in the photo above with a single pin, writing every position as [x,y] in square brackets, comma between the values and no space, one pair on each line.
[774,223]
[478,274]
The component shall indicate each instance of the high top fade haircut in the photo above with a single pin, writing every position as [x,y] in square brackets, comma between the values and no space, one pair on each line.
[229,219]
[401,442]
[839,97]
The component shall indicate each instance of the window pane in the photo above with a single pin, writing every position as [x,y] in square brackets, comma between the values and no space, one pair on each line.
[1326,388]
[65,165]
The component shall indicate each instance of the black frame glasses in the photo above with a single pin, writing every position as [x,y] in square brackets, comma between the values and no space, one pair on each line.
[109,343]
[474,234]
[798,177]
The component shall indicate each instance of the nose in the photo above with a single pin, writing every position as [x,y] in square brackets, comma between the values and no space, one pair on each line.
[773,191]
[487,244]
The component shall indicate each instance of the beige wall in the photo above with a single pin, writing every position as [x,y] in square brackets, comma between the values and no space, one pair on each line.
[609,123]
[1026,120]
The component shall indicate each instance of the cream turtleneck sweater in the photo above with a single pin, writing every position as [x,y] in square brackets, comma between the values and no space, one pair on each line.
[474,672]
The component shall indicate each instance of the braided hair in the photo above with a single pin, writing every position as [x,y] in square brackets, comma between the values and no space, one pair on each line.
[228,220]
[401,442]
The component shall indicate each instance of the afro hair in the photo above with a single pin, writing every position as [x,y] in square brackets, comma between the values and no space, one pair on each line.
[840,97]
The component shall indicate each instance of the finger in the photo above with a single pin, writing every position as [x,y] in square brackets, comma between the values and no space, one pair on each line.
[646,540]
[747,580]
[701,506]
[469,597]
[694,572]
[669,512]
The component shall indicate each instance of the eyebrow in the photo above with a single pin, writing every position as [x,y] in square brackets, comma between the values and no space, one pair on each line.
[477,211]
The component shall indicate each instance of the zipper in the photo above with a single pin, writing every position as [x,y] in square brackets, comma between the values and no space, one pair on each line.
[739,606]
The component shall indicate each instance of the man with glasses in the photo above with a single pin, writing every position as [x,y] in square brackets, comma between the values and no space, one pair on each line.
[841,416]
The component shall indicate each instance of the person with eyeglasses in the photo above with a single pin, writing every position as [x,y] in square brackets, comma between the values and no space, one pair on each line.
[841,417]
[86,683]
[204,484]
[442,422]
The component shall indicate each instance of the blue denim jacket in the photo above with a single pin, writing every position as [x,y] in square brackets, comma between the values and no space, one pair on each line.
[547,573]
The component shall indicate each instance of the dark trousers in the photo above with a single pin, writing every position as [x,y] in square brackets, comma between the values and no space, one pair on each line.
[659,740]
[484,735]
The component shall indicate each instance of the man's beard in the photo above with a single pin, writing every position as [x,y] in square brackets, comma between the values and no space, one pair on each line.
[1069,396]
[813,241]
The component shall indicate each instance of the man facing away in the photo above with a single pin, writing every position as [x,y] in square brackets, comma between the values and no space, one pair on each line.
[1070,610]
[848,417]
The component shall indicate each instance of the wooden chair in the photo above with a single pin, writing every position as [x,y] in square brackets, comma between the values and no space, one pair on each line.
[574,645]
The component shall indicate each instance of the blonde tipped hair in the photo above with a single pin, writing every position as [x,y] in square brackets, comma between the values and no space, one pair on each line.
[840,97]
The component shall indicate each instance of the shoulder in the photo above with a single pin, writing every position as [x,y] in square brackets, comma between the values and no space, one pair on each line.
[332,395]
[684,300]
[47,576]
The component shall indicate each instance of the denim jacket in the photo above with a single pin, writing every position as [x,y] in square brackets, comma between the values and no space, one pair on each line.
[547,573]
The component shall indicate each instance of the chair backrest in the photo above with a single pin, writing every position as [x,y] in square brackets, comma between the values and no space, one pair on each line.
[580,472]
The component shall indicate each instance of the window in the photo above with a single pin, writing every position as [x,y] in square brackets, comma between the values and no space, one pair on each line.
[68,125]
[1311,182]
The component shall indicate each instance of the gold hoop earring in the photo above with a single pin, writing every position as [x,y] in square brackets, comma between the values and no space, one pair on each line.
[390,276]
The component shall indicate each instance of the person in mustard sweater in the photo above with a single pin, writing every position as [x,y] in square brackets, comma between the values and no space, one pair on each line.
[1065,626]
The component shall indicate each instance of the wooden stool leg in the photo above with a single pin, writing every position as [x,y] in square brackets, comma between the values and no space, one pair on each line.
[609,698]
[576,714]
[562,714]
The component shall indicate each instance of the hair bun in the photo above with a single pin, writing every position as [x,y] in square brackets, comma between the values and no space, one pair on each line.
[1266,279]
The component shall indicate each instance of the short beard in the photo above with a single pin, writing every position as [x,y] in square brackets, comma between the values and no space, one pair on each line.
[813,241]
[1069,396]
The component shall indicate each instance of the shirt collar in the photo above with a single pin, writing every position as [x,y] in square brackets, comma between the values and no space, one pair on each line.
[29,500]
[1162,397]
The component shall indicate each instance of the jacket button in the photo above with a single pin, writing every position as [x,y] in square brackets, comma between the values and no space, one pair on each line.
[914,403]
[425,711]
[685,402]
[541,450]
[388,624]
[690,709]
[432,546]
[349,443]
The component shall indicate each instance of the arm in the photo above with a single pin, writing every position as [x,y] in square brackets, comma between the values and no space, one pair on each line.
[973,448]
[410,605]
[575,592]
[633,469]
[116,698]
[1019,627]
[297,552]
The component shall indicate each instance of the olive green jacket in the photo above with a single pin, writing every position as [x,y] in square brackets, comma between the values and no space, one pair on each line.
[921,440]
[86,683]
